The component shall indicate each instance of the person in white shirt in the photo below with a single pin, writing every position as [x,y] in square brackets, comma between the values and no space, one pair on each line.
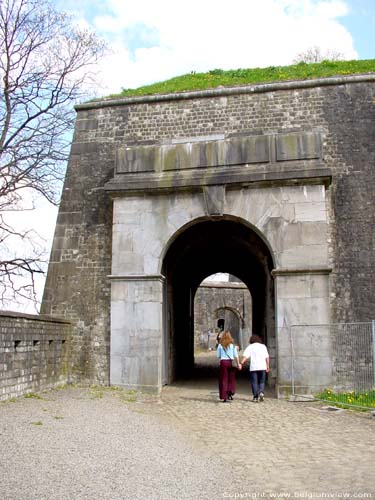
[257,352]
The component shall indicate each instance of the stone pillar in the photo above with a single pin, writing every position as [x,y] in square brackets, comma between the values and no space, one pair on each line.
[303,333]
[136,331]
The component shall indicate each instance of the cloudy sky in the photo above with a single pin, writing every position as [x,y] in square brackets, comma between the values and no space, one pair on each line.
[153,40]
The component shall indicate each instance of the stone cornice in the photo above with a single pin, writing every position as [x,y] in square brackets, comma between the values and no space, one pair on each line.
[136,277]
[165,183]
[227,91]
[223,284]
[34,317]
[305,270]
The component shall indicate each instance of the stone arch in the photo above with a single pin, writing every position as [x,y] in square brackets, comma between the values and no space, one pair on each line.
[234,327]
[231,309]
[204,218]
[202,248]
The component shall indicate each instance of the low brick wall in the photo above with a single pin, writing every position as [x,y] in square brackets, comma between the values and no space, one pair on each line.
[34,353]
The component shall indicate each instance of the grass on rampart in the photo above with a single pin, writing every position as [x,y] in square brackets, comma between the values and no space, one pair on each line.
[220,78]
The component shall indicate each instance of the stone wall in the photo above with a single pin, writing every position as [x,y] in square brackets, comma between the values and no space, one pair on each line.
[339,110]
[221,300]
[34,353]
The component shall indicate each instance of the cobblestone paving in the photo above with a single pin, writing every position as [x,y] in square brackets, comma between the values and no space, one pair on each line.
[277,446]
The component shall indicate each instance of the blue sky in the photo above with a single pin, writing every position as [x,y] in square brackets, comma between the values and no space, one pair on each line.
[360,22]
[155,40]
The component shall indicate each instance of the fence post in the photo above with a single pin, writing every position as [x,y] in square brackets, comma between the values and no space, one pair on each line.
[373,346]
[292,360]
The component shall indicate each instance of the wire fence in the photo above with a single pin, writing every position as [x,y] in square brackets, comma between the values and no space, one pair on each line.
[341,366]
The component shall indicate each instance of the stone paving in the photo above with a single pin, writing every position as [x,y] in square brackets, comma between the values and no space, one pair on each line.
[277,446]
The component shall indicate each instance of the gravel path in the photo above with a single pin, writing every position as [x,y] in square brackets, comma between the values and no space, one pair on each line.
[97,445]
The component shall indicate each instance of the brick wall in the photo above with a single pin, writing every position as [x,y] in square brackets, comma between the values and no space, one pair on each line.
[34,353]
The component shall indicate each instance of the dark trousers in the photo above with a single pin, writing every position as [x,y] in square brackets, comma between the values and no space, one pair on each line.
[227,378]
[258,381]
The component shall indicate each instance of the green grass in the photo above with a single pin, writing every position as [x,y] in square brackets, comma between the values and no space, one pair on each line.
[220,78]
[96,391]
[129,396]
[365,399]
[126,396]
[10,400]
[32,395]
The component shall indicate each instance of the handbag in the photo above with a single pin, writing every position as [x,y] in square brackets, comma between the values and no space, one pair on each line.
[234,360]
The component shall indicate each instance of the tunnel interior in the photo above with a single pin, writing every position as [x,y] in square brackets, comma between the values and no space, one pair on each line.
[203,249]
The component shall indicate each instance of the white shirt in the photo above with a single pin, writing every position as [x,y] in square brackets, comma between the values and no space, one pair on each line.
[258,354]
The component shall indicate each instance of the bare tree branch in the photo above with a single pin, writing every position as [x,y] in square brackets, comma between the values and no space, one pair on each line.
[316,54]
[45,66]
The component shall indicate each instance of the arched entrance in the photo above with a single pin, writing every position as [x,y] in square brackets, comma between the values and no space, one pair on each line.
[273,239]
[203,248]
[230,319]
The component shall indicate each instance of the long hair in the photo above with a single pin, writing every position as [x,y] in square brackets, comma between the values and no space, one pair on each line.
[255,338]
[226,339]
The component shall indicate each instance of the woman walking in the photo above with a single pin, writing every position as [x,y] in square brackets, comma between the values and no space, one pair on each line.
[227,351]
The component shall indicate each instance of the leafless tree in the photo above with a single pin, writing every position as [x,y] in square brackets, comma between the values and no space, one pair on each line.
[315,55]
[46,64]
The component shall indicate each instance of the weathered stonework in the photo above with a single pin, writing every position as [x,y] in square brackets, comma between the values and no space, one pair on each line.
[34,353]
[222,305]
[284,171]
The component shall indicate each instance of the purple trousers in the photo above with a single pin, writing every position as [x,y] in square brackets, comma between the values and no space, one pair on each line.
[227,378]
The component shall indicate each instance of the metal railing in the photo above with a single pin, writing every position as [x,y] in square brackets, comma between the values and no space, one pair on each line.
[345,373]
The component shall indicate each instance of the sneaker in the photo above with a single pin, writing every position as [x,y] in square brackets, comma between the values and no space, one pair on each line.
[255,400]
[261,396]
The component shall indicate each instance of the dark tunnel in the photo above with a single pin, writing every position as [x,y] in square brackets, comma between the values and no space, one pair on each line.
[205,248]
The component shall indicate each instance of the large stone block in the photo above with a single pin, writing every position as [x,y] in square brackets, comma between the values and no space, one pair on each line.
[136,325]
[303,256]
[307,212]
[298,146]
[137,159]
[127,262]
[307,310]
[302,286]
[307,374]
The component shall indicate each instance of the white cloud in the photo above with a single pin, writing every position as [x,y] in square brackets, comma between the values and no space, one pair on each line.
[200,36]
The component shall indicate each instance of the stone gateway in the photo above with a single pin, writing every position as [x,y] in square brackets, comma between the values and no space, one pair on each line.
[271,183]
